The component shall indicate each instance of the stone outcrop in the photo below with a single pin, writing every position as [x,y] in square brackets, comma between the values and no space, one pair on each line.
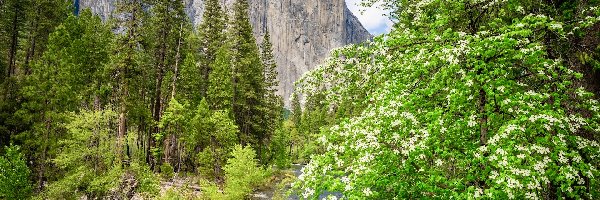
[303,31]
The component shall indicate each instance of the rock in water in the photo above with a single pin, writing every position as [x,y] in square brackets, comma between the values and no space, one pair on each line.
[303,31]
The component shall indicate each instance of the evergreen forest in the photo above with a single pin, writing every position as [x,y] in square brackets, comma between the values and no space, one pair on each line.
[463,99]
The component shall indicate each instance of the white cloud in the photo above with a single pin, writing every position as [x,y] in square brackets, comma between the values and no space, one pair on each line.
[373,18]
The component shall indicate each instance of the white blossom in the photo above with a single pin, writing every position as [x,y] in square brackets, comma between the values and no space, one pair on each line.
[308,192]
[367,192]
[478,193]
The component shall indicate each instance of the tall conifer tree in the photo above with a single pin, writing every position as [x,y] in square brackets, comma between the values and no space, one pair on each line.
[125,60]
[272,104]
[166,21]
[212,38]
[220,90]
[248,75]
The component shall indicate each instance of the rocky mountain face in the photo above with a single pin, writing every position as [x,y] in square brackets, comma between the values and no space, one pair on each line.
[302,31]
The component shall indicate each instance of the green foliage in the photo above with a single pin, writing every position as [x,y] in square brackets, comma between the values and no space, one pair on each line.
[211,191]
[214,51]
[282,143]
[271,103]
[217,133]
[87,157]
[14,175]
[312,122]
[199,126]
[206,160]
[87,99]
[175,194]
[148,183]
[296,108]
[242,173]
[173,124]
[25,26]
[249,88]
[167,170]
[463,99]
[60,83]
[57,68]
[220,90]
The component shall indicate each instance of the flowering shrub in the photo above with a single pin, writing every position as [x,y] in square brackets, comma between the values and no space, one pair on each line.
[14,175]
[460,109]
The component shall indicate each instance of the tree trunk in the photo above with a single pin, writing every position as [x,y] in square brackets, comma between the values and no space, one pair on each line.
[484,118]
[42,172]
[179,156]
[122,132]
[14,43]
[157,106]
[96,141]
[167,149]
[31,50]
[177,58]
[216,165]
[158,90]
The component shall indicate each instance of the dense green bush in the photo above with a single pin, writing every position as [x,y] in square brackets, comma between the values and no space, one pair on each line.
[14,175]
[167,171]
[242,174]
[148,182]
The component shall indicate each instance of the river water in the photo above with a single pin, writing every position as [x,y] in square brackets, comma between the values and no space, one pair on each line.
[297,170]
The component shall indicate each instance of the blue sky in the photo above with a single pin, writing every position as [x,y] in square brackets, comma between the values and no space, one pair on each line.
[373,19]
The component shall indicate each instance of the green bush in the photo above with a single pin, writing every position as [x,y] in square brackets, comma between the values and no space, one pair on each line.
[148,183]
[14,175]
[176,194]
[205,162]
[211,190]
[167,171]
[242,173]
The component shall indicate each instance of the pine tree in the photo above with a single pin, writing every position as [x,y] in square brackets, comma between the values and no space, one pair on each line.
[212,39]
[24,29]
[60,83]
[165,26]
[270,65]
[272,104]
[248,76]
[125,61]
[42,17]
[220,90]
[13,25]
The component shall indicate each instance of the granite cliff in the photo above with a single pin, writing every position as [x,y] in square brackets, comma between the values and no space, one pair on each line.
[303,31]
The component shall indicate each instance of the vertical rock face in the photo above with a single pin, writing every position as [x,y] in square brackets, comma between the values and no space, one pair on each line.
[303,31]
